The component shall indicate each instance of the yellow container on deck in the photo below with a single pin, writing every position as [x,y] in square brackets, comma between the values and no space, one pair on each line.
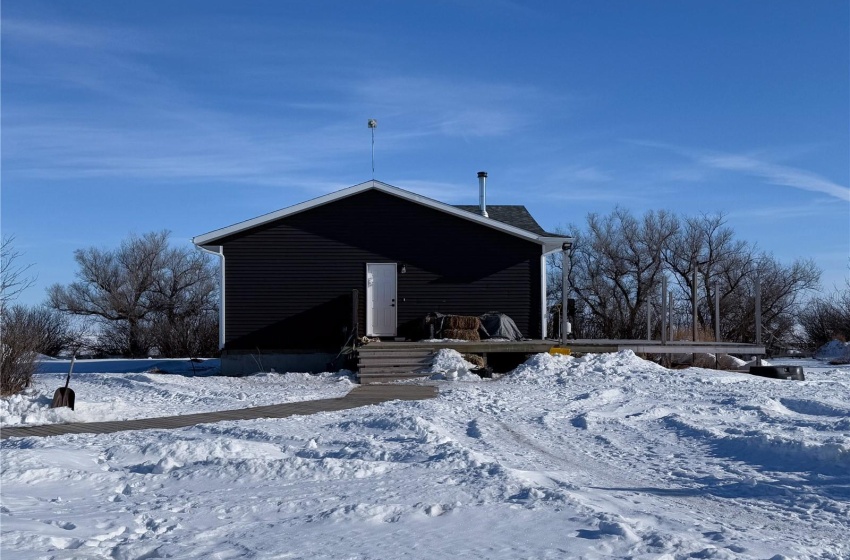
[564,351]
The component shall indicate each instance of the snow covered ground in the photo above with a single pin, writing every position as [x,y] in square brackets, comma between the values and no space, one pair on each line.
[606,456]
[131,391]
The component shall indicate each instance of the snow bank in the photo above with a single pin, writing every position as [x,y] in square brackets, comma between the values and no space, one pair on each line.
[834,350]
[561,369]
[449,364]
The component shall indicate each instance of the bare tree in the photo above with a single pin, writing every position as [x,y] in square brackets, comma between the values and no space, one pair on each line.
[140,293]
[618,262]
[722,264]
[617,265]
[115,286]
[14,276]
[731,268]
[185,297]
[17,338]
[53,331]
[825,318]
[18,356]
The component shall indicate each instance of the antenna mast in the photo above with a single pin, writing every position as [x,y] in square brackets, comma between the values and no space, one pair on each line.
[373,124]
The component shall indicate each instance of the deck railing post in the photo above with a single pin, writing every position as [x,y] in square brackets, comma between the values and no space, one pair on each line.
[664,309]
[565,276]
[694,304]
[758,312]
[717,313]
[670,319]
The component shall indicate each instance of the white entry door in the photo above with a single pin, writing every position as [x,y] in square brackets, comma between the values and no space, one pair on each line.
[381,299]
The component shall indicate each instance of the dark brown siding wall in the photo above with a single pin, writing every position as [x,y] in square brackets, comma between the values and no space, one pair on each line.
[288,284]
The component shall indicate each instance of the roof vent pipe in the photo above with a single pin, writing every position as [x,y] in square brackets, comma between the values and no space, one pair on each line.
[482,193]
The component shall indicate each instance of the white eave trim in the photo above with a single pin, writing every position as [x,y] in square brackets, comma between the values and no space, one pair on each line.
[549,244]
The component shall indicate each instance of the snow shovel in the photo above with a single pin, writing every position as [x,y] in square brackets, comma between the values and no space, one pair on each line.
[63,395]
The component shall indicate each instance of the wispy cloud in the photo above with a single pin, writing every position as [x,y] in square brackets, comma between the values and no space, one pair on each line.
[450,108]
[776,174]
[113,115]
[65,35]
[451,193]
[747,164]
[126,116]
[816,207]
[580,174]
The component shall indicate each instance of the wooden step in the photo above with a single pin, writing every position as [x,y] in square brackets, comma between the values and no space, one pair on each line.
[391,369]
[384,378]
[394,355]
[412,352]
[401,361]
[390,363]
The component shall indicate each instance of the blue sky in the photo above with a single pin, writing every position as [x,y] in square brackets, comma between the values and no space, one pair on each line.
[122,117]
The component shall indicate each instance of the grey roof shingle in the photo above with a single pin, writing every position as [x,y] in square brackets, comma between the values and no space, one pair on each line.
[513,215]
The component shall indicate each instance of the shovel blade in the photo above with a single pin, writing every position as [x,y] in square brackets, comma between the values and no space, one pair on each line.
[63,397]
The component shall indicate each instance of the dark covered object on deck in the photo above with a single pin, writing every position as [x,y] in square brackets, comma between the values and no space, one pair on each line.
[499,325]
[490,325]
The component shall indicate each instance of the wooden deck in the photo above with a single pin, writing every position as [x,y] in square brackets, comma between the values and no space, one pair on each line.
[579,346]
[469,347]
[381,361]
[359,396]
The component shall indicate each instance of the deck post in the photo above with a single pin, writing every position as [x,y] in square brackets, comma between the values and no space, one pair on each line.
[758,312]
[716,323]
[670,323]
[670,311]
[664,309]
[716,313]
[694,304]
[566,328]
[694,308]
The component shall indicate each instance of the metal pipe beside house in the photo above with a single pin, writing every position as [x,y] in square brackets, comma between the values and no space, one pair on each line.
[221,316]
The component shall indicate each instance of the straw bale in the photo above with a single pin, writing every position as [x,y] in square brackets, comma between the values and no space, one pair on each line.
[461,334]
[474,359]
[463,322]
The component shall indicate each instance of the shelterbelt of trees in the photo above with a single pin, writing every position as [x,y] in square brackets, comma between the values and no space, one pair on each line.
[618,262]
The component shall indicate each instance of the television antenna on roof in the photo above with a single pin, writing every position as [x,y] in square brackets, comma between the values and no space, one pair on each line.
[373,124]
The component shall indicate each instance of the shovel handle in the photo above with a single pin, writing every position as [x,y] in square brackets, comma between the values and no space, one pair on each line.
[68,379]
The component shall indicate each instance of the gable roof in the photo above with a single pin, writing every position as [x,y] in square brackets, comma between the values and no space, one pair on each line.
[513,220]
[513,215]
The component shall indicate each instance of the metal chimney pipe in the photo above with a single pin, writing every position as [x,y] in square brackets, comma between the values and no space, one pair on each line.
[482,193]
